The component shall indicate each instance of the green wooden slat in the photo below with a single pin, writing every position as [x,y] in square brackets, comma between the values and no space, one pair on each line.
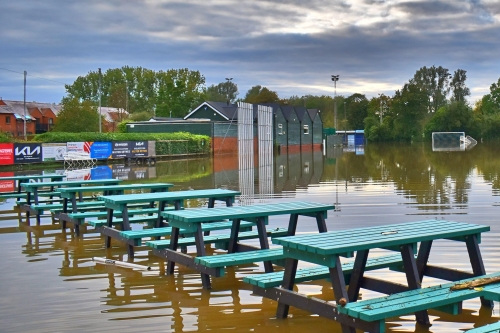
[113,187]
[134,219]
[165,196]
[413,300]
[28,177]
[13,195]
[30,186]
[269,280]
[80,215]
[240,258]
[373,237]
[54,206]
[490,328]
[247,212]
[163,244]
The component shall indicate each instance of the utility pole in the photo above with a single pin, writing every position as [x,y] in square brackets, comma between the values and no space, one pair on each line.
[100,117]
[227,88]
[335,78]
[24,103]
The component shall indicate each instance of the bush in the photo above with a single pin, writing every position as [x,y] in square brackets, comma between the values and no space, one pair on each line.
[4,137]
[166,143]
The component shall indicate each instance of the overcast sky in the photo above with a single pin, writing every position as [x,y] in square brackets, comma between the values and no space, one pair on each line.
[290,46]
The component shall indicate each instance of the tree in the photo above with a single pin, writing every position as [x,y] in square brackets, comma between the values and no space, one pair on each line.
[495,94]
[357,110]
[258,94]
[222,92]
[76,116]
[408,109]
[454,117]
[433,81]
[458,88]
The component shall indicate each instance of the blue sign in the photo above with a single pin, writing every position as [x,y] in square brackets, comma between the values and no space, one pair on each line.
[101,172]
[100,150]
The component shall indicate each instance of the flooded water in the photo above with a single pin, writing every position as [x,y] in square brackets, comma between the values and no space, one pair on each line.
[49,283]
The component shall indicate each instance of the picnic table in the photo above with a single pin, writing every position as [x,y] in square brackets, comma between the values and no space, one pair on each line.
[19,180]
[122,202]
[69,195]
[191,220]
[32,204]
[369,315]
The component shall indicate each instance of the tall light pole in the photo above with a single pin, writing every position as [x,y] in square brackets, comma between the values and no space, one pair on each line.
[100,120]
[335,78]
[382,107]
[228,79]
[24,103]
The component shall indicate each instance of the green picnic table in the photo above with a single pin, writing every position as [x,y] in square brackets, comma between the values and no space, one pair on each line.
[33,189]
[122,202]
[19,180]
[369,315]
[69,195]
[191,220]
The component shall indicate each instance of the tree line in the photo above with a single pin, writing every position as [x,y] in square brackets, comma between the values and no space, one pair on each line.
[433,100]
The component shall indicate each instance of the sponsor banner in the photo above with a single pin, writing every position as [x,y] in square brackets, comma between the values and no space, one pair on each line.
[6,153]
[27,153]
[80,174]
[121,171]
[7,185]
[101,150]
[79,147]
[125,149]
[120,149]
[138,148]
[101,172]
[53,151]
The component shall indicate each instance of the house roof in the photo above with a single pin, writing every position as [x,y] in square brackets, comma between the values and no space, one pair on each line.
[17,108]
[111,114]
[288,112]
[226,111]
[312,113]
[301,112]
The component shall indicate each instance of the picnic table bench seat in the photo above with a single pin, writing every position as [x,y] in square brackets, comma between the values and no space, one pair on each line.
[133,219]
[188,241]
[13,195]
[40,208]
[490,328]
[138,235]
[412,301]
[82,214]
[274,279]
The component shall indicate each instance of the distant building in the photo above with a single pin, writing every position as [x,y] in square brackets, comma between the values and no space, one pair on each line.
[112,117]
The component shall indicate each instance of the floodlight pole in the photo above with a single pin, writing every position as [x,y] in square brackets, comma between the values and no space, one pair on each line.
[24,103]
[335,78]
[100,116]
[228,79]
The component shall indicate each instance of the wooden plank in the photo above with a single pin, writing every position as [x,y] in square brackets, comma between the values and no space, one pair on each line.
[134,219]
[177,195]
[240,258]
[490,328]
[380,236]
[413,300]
[269,280]
[30,186]
[28,177]
[163,244]
[247,212]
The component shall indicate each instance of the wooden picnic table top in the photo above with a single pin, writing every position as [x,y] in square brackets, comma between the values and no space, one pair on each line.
[114,187]
[166,196]
[198,215]
[31,186]
[385,236]
[28,177]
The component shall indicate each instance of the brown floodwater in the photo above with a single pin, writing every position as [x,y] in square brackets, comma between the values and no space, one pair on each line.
[49,283]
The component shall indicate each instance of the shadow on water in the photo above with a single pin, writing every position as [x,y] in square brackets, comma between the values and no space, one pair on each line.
[50,283]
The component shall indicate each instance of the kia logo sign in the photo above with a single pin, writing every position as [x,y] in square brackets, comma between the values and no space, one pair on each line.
[28,151]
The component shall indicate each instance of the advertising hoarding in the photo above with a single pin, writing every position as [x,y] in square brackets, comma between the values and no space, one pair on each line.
[27,153]
[6,153]
[53,151]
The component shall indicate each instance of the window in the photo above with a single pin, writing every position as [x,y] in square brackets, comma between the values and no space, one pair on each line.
[7,119]
[306,129]
[280,129]
[51,121]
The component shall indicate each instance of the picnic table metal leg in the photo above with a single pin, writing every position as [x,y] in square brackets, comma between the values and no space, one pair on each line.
[338,284]
[264,243]
[233,239]
[64,209]
[229,202]
[109,223]
[410,266]
[476,261]
[357,275]
[35,194]
[126,227]
[174,242]
[423,258]
[211,202]
[320,220]
[292,224]
[288,282]
[200,252]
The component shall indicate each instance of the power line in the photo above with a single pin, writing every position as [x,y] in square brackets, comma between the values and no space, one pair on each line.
[38,77]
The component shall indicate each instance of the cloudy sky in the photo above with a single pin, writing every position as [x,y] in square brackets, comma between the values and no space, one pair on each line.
[290,46]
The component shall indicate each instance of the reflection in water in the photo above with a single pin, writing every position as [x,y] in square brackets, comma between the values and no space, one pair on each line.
[51,284]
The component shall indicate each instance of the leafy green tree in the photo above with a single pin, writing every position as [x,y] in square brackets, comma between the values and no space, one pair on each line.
[357,110]
[222,92]
[76,116]
[258,94]
[495,94]
[433,81]
[454,117]
[407,112]
[458,88]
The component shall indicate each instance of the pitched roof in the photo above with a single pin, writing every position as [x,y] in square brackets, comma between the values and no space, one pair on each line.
[111,115]
[17,107]
[313,113]
[288,112]
[301,112]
